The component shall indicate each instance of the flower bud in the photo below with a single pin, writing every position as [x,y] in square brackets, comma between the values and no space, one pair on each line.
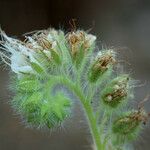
[39,108]
[55,112]
[31,108]
[101,65]
[116,91]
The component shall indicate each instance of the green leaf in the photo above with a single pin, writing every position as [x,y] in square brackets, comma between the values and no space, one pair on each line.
[79,56]
[56,57]
[37,67]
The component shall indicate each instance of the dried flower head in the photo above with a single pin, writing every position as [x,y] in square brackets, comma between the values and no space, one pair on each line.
[80,41]
[102,64]
[116,91]
[49,59]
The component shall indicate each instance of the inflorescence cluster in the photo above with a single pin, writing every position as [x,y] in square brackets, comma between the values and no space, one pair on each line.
[49,58]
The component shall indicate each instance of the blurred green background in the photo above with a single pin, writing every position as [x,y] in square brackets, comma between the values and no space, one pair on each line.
[122,24]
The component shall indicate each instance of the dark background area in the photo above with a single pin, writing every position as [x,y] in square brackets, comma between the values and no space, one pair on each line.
[122,24]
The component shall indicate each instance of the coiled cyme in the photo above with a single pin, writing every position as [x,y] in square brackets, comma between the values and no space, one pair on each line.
[116,92]
[34,62]
[101,65]
[38,107]
[49,60]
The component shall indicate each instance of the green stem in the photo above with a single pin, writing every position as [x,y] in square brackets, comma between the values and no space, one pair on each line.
[93,126]
[88,111]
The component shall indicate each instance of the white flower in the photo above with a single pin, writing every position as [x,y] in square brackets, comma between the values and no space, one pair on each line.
[19,63]
[19,55]
[90,38]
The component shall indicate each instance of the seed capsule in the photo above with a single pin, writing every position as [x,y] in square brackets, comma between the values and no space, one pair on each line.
[129,124]
[116,91]
[79,43]
[101,65]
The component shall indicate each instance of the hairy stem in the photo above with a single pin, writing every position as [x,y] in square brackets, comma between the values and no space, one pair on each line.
[93,126]
[88,112]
